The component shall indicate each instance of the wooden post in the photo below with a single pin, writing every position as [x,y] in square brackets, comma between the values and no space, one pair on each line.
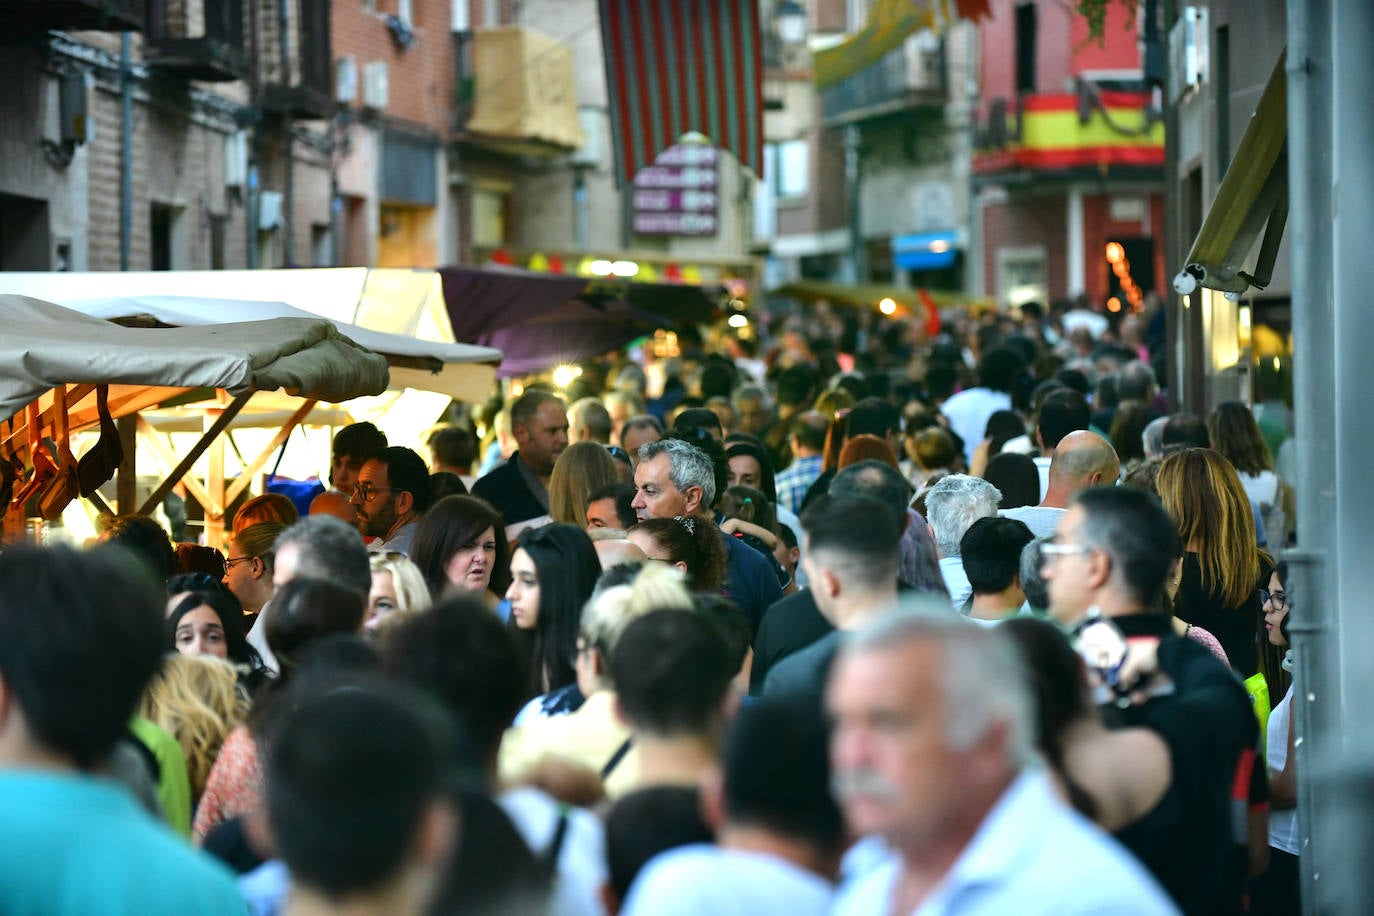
[126,480]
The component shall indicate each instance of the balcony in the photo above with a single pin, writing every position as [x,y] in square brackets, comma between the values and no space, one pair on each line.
[913,76]
[516,94]
[75,15]
[197,39]
[296,65]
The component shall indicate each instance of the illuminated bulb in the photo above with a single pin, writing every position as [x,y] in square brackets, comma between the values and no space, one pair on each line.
[563,375]
[738,320]
[1276,364]
[1113,304]
[624,268]
[602,267]
[1115,252]
[887,306]
[939,246]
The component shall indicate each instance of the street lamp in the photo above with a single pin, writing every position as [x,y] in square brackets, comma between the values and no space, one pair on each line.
[791,19]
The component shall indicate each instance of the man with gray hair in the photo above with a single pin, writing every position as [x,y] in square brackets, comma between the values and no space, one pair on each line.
[589,421]
[676,479]
[953,504]
[931,751]
[1082,460]
[316,547]
[1154,438]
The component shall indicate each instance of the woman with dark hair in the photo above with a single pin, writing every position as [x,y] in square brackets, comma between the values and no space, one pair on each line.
[209,621]
[1128,434]
[1002,427]
[1223,568]
[691,544]
[1016,477]
[553,573]
[750,467]
[461,545]
[1236,435]
[1275,891]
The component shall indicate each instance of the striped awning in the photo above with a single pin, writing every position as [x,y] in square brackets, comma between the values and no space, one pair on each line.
[890,22]
[675,67]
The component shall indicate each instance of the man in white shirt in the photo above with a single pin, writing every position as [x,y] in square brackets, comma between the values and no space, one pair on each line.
[1082,460]
[779,833]
[953,504]
[969,410]
[931,750]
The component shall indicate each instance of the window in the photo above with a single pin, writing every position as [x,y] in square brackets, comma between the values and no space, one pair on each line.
[1025,47]
[789,163]
[1022,275]
[321,245]
[1222,75]
[217,226]
[168,243]
[488,218]
[24,233]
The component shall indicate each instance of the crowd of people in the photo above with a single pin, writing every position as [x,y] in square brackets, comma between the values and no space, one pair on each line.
[843,622]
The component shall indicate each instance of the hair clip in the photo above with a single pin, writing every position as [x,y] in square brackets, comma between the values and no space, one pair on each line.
[747,500]
[687,522]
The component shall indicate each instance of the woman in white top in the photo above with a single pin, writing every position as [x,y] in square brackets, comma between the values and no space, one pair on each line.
[1236,435]
[1276,890]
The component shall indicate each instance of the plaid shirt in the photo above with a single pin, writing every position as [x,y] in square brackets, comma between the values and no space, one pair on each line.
[793,482]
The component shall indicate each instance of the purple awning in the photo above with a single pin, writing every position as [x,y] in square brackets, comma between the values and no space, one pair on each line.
[539,320]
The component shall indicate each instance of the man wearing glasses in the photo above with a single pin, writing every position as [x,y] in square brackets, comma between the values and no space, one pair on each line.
[390,496]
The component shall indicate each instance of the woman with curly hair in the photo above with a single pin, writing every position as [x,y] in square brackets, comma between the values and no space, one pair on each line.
[1223,568]
[691,544]
[197,700]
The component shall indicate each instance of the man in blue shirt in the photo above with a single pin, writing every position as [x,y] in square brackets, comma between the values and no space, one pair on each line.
[808,446]
[80,636]
[676,478]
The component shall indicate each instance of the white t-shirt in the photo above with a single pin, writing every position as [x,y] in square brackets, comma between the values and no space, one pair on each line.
[1283,823]
[701,879]
[968,413]
[1262,488]
[1041,520]
[581,861]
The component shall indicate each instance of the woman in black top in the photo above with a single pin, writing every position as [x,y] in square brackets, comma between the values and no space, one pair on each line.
[1223,566]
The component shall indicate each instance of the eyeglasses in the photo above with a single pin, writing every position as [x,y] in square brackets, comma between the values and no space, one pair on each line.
[1051,550]
[230,561]
[1280,599]
[368,492]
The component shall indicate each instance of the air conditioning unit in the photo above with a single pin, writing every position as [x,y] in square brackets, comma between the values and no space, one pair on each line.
[236,159]
[346,80]
[376,85]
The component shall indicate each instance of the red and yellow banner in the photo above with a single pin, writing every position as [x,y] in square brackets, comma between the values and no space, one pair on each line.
[1054,136]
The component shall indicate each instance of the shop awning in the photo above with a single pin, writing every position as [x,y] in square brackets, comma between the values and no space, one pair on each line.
[925,250]
[890,22]
[45,346]
[539,320]
[1252,199]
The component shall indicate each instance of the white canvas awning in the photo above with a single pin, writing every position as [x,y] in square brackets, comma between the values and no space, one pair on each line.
[400,314]
[45,345]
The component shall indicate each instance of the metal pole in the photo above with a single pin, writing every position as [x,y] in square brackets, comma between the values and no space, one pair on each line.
[126,161]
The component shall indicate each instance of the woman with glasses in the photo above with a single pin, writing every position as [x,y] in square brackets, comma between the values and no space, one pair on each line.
[1276,890]
[581,470]
[553,572]
[248,564]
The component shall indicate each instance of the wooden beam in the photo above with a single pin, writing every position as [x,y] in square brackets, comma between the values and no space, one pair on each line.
[214,482]
[126,478]
[196,451]
[167,456]
[245,478]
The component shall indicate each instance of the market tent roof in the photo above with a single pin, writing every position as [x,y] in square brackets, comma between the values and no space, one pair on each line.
[46,345]
[538,320]
[461,371]
[409,303]
[1252,199]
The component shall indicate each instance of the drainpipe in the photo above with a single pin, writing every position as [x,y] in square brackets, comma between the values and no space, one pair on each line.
[852,139]
[288,197]
[126,162]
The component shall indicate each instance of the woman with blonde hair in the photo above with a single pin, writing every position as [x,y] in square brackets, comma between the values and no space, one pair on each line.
[1223,568]
[248,564]
[197,700]
[398,589]
[581,470]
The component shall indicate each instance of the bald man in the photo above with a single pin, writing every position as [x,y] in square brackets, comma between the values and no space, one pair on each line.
[1082,459]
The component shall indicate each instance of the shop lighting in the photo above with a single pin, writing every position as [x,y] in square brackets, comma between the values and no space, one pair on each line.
[1113,304]
[738,320]
[563,376]
[1115,252]
[602,268]
[624,268]
[887,306]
